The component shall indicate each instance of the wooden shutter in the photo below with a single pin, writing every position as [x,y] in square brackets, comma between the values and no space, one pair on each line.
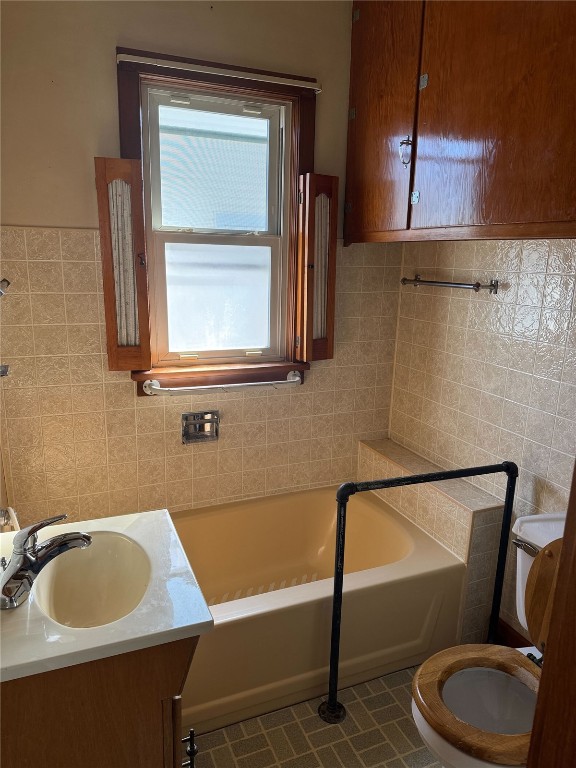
[122,244]
[317,229]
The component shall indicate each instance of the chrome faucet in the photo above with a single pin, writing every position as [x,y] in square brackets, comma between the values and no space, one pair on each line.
[28,559]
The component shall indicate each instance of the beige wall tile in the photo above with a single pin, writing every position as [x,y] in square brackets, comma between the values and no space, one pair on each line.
[59,456]
[84,339]
[79,277]
[17,341]
[55,400]
[53,370]
[82,308]
[13,243]
[90,453]
[48,308]
[24,432]
[92,480]
[57,429]
[93,506]
[61,484]
[43,244]
[16,309]
[50,340]
[45,277]
[22,372]
[123,502]
[123,476]
[78,244]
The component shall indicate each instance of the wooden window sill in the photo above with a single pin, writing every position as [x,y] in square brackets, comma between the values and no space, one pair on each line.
[217,375]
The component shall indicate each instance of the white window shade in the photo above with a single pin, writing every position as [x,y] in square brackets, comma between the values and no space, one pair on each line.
[120,204]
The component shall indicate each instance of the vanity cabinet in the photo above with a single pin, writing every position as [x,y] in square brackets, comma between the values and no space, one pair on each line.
[460,122]
[117,712]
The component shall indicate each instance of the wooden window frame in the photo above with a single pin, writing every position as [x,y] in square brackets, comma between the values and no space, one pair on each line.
[136,67]
[303,105]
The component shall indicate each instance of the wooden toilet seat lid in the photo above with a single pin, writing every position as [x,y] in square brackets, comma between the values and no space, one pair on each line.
[540,588]
[429,680]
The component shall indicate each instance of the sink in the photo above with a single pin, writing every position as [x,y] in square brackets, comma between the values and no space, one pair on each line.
[132,588]
[95,586]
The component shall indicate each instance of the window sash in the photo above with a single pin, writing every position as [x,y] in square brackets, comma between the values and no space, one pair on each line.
[277,115]
[161,353]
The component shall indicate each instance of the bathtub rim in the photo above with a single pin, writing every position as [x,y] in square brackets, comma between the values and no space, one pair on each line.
[425,555]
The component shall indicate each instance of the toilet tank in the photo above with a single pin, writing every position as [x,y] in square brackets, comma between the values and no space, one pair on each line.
[537,530]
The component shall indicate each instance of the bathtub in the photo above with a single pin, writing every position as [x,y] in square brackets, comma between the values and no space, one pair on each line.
[265,567]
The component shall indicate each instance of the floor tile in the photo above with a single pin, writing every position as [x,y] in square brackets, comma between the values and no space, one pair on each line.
[378,732]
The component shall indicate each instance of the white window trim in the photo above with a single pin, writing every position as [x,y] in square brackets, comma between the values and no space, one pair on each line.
[157,235]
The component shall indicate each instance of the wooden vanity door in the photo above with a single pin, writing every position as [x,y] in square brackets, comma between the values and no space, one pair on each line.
[496,138]
[383,87]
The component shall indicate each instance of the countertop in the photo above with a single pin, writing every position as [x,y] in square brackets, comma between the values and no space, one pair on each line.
[172,608]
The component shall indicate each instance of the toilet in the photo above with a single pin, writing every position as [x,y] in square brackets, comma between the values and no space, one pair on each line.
[474,704]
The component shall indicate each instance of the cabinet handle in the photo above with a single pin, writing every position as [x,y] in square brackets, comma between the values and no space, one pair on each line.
[407,142]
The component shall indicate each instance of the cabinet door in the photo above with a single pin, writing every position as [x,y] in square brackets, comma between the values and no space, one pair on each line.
[383,87]
[496,139]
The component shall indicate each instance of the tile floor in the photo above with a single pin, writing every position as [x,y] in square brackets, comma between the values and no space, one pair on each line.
[378,732]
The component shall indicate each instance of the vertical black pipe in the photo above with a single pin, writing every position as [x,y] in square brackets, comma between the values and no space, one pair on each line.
[512,473]
[331,711]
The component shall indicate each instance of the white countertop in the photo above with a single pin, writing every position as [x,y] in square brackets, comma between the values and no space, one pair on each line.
[172,608]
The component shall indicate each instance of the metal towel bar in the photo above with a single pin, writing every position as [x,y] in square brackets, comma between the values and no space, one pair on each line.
[152,386]
[492,286]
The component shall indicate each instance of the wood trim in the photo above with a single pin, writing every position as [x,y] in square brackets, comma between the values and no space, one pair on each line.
[548,230]
[310,186]
[107,170]
[553,735]
[130,75]
[204,63]
[303,102]
[218,375]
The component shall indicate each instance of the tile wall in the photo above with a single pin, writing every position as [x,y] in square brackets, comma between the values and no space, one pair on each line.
[480,378]
[465,519]
[76,439]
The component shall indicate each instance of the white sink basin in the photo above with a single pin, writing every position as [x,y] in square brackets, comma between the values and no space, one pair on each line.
[132,588]
[94,586]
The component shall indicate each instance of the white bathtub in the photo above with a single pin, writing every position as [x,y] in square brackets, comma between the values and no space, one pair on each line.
[265,566]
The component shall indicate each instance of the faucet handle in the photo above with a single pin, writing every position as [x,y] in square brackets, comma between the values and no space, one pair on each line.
[26,538]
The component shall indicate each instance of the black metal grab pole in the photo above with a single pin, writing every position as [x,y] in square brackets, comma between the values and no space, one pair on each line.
[502,551]
[331,710]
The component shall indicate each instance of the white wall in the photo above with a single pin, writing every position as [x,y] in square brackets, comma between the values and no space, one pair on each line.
[59,97]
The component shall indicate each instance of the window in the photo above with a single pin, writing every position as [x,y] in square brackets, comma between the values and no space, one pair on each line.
[211,223]
[217,213]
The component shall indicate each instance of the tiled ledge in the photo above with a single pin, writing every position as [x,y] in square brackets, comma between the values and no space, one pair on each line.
[465,519]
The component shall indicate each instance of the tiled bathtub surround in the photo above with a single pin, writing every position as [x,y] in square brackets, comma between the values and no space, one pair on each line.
[465,519]
[481,378]
[76,438]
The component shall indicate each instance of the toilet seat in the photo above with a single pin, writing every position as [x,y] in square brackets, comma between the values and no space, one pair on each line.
[429,680]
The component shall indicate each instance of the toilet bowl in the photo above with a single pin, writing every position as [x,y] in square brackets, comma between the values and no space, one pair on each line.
[474,704]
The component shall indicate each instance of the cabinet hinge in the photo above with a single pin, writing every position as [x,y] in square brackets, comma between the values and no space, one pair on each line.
[415,197]
[355,14]
[300,198]
[423,82]
[352,113]
[347,207]
[297,341]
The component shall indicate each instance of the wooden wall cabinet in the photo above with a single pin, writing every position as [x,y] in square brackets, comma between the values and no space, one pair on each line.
[120,712]
[461,121]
